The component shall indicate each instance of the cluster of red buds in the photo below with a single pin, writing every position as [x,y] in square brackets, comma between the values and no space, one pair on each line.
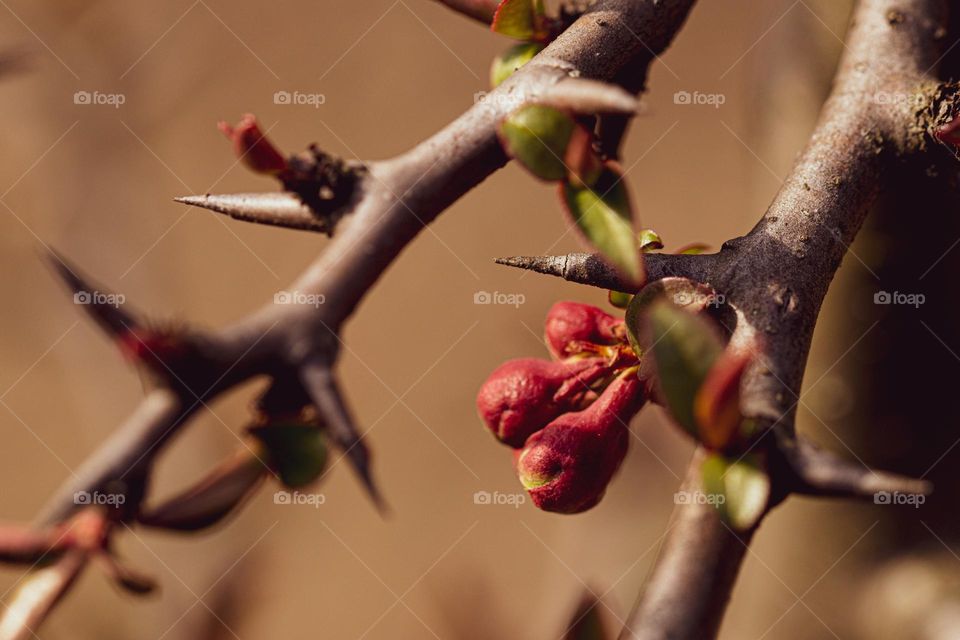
[567,418]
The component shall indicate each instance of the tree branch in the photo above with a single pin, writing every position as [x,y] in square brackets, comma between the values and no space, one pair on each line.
[391,202]
[878,122]
[703,555]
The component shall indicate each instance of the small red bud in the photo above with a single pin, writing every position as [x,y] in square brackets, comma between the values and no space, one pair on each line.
[571,325]
[157,349]
[523,395]
[566,466]
[252,147]
[950,132]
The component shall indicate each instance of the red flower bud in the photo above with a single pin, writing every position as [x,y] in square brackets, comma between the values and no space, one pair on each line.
[252,147]
[521,396]
[571,325]
[566,466]
[158,349]
[950,132]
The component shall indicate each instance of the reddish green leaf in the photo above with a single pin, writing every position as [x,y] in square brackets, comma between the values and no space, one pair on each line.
[519,19]
[297,452]
[537,137]
[604,215]
[717,405]
[693,249]
[584,166]
[682,292]
[649,240]
[512,59]
[619,299]
[744,485]
[684,348]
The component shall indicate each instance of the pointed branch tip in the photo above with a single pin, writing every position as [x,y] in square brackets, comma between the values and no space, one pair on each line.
[278,209]
[101,304]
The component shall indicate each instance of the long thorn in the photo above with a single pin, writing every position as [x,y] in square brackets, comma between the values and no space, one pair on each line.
[277,209]
[102,305]
[321,384]
[820,472]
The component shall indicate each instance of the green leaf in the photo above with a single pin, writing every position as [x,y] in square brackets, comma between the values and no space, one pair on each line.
[681,291]
[744,485]
[649,240]
[619,299]
[297,452]
[512,59]
[517,19]
[684,348]
[694,249]
[537,136]
[604,216]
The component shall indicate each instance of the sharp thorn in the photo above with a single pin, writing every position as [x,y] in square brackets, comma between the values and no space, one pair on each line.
[278,209]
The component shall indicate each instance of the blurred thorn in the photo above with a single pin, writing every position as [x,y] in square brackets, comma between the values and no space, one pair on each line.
[15,60]
[101,304]
[587,622]
[820,472]
[321,384]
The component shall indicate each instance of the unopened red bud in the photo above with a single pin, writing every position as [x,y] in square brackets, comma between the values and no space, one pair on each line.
[252,147]
[567,466]
[950,132]
[521,396]
[159,349]
[570,326]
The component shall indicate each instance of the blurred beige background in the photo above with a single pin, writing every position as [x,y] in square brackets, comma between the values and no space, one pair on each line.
[97,183]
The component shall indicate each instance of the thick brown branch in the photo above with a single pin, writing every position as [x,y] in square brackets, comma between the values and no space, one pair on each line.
[777,276]
[701,554]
